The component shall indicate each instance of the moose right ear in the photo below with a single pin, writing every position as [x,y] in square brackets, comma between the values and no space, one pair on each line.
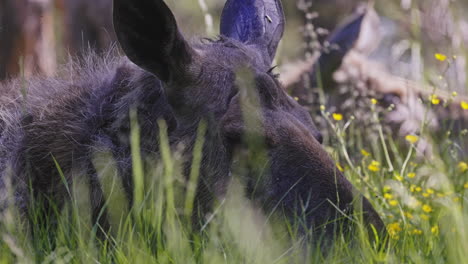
[147,32]
[258,22]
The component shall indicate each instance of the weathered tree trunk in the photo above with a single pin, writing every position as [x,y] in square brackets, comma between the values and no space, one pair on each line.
[26,38]
[29,30]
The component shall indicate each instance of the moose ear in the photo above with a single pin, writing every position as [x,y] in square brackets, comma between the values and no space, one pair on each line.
[341,41]
[147,32]
[257,22]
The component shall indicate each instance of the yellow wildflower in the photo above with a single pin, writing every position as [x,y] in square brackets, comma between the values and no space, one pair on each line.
[387,188]
[426,194]
[430,191]
[322,108]
[440,57]
[411,175]
[388,196]
[454,94]
[427,208]
[412,138]
[374,101]
[462,166]
[435,230]
[340,168]
[337,117]
[394,229]
[424,217]
[374,166]
[417,232]
[441,195]
[365,153]
[464,105]
[434,99]
[412,188]
[418,189]
[465,185]
[393,202]
[398,177]
[409,215]
[456,199]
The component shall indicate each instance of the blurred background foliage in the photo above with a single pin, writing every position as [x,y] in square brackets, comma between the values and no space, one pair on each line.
[44,32]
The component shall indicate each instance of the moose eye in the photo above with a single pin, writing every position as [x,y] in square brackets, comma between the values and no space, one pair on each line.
[268,88]
[272,73]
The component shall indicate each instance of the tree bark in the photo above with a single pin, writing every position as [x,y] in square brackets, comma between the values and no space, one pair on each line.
[27,38]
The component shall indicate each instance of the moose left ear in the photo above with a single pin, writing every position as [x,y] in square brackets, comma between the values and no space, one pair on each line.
[147,32]
[257,22]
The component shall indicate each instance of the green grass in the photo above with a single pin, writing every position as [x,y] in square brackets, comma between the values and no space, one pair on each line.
[422,200]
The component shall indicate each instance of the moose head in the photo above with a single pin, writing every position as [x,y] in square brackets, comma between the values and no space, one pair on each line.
[203,80]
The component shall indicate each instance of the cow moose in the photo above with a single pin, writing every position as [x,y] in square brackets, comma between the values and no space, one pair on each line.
[65,121]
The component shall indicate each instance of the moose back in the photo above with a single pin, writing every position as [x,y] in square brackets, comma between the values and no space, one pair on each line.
[66,121]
